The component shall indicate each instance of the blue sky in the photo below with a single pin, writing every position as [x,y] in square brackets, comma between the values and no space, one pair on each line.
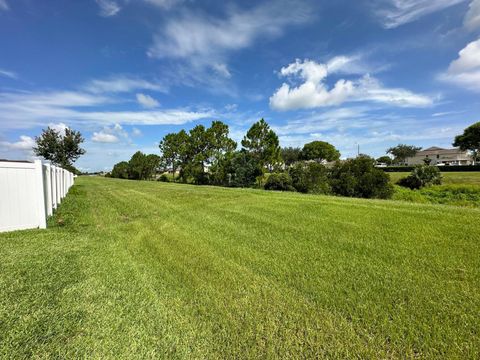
[126,72]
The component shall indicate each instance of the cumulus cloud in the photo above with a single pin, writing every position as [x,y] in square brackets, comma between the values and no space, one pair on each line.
[102,137]
[110,134]
[204,42]
[108,7]
[313,91]
[394,13]
[136,132]
[25,143]
[147,101]
[472,18]
[465,70]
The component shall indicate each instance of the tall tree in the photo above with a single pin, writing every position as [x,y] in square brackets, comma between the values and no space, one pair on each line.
[291,155]
[470,140]
[385,160]
[401,152]
[173,149]
[136,166]
[262,142]
[120,170]
[61,149]
[320,151]
[207,147]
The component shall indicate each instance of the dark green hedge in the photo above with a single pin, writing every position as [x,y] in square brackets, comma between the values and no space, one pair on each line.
[455,168]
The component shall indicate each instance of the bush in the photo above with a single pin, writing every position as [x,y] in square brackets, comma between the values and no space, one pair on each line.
[359,178]
[421,176]
[309,177]
[243,170]
[458,195]
[280,182]
[164,178]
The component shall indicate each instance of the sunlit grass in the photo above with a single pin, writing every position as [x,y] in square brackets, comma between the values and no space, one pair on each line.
[155,270]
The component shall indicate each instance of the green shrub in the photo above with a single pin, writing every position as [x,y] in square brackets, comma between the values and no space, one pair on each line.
[458,195]
[421,176]
[359,178]
[309,177]
[280,182]
[164,178]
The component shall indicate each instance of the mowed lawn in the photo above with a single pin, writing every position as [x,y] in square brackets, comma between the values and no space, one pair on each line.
[449,178]
[152,270]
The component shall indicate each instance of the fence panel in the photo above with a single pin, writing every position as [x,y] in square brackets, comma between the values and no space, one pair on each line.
[29,193]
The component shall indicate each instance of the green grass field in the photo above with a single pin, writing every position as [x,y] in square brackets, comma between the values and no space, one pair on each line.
[449,178]
[153,270]
[458,189]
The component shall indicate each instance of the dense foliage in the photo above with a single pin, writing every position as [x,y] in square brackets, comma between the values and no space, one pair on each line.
[401,152]
[208,156]
[61,149]
[470,140]
[279,182]
[387,160]
[320,151]
[421,176]
[359,178]
[262,142]
[140,167]
[309,177]
[290,155]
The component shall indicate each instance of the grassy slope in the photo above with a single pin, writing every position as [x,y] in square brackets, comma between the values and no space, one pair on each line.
[459,189]
[449,178]
[143,269]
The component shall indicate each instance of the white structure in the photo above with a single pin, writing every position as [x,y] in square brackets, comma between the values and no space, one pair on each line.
[29,192]
[440,157]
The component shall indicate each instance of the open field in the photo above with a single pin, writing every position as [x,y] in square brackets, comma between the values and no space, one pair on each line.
[146,269]
[449,178]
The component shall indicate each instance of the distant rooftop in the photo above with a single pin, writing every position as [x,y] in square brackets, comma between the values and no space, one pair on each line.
[435,148]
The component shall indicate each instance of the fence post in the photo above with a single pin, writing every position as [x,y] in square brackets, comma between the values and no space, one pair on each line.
[42,218]
[48,189]
[57,174]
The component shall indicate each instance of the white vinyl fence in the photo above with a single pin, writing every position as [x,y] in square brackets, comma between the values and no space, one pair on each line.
[29,193]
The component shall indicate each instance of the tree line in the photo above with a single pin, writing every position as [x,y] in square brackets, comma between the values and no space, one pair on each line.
[207,155]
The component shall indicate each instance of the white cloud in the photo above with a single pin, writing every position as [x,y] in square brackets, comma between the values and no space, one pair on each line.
[136,132]
[7,73]
[122,83]
[204,41]
[108,7]
[472,19]
[313,91]
[60,127]
[28,109]
[165,4]
[147,101]
[4,5]
[102,137]
[25,143]
[465,70]
[394,13]
[110,134]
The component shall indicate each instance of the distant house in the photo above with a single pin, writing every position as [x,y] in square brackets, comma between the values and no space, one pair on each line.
[441,157]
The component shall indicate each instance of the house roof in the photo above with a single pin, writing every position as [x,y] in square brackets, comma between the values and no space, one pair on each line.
[435,148]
